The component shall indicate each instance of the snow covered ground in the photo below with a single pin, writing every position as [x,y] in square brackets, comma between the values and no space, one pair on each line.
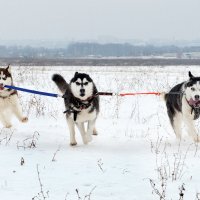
[134,157]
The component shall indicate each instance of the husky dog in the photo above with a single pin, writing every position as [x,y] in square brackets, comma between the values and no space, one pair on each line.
[183,105]
[9,101]
[82,104]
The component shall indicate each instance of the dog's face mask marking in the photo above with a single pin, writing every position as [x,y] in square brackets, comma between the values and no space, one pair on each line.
[192,90]
[82,86]
[5,77]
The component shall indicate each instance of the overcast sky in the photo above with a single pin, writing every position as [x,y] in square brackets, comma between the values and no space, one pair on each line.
[89,19]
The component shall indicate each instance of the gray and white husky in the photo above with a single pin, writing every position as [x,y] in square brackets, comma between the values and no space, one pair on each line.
[9,101]
[183,106]
[82,104]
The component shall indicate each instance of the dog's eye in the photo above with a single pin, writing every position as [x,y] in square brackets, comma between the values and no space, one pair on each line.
[193,89]
[77,83]
[4,79]
[86,83]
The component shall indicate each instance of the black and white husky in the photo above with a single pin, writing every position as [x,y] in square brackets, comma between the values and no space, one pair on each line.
[82,104]
[183,106]
[9,101]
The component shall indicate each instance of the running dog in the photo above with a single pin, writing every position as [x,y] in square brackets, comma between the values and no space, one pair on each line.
[183,106]
[82,104]
[9,101]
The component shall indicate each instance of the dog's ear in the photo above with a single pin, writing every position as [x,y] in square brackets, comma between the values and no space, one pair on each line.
[89,78]
[76,74]
[190,75]
[8,69]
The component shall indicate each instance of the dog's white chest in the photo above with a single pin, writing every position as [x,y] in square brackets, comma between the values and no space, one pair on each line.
[4,103]
[7,103]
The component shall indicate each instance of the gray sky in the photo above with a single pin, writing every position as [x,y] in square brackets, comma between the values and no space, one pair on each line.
[89,19]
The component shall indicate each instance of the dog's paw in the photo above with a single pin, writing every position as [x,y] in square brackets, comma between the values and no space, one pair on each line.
[73,143]
[24,119]
[95,132]
[89,138]
[8,126]
[85,142]
[197,139]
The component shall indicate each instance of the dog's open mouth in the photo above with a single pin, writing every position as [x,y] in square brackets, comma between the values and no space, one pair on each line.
[194,103]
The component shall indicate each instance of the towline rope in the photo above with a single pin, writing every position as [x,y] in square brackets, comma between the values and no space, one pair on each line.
[32,91]
[97,94]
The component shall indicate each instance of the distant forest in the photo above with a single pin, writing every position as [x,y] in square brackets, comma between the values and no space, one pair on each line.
[93,50]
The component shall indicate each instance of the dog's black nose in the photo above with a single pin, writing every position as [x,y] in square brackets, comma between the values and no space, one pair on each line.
[82,91]
[196,97]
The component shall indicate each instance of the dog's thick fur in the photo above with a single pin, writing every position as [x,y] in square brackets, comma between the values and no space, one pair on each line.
[82,105]
[9,101]
[183,106]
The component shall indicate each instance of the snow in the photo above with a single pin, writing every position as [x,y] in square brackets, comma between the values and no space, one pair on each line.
[135,145]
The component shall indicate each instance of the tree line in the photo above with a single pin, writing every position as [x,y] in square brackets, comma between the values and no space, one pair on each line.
[96,50]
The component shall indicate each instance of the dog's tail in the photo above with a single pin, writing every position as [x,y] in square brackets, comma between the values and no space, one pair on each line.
[60,82]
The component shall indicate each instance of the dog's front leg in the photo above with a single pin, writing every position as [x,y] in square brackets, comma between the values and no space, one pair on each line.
[6,121]
[90,129]
[189,122]
[71,126]
[17,109]
[177,125]
[95,131]
[81,128]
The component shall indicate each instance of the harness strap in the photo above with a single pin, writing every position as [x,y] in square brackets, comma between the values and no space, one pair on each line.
[104,94]
[69,111]
[196,112]
[80,105]
[13,93]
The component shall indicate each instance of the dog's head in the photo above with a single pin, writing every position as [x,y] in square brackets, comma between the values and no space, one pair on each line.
[192,89]
[82,86]
[5,77]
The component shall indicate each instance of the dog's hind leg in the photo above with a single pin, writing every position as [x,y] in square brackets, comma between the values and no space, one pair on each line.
[81,128]
[177,124]
[71,126]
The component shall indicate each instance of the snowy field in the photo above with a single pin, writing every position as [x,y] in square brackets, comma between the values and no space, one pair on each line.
[134,157]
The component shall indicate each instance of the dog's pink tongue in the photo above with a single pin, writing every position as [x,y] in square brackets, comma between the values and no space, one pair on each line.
[193,102]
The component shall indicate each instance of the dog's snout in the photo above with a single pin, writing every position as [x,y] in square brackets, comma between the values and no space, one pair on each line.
[196,97]
[82,90]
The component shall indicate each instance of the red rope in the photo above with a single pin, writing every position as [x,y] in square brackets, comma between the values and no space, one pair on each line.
[139,93]
[127,94]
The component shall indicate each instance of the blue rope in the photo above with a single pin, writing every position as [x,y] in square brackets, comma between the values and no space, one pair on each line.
[32,91]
